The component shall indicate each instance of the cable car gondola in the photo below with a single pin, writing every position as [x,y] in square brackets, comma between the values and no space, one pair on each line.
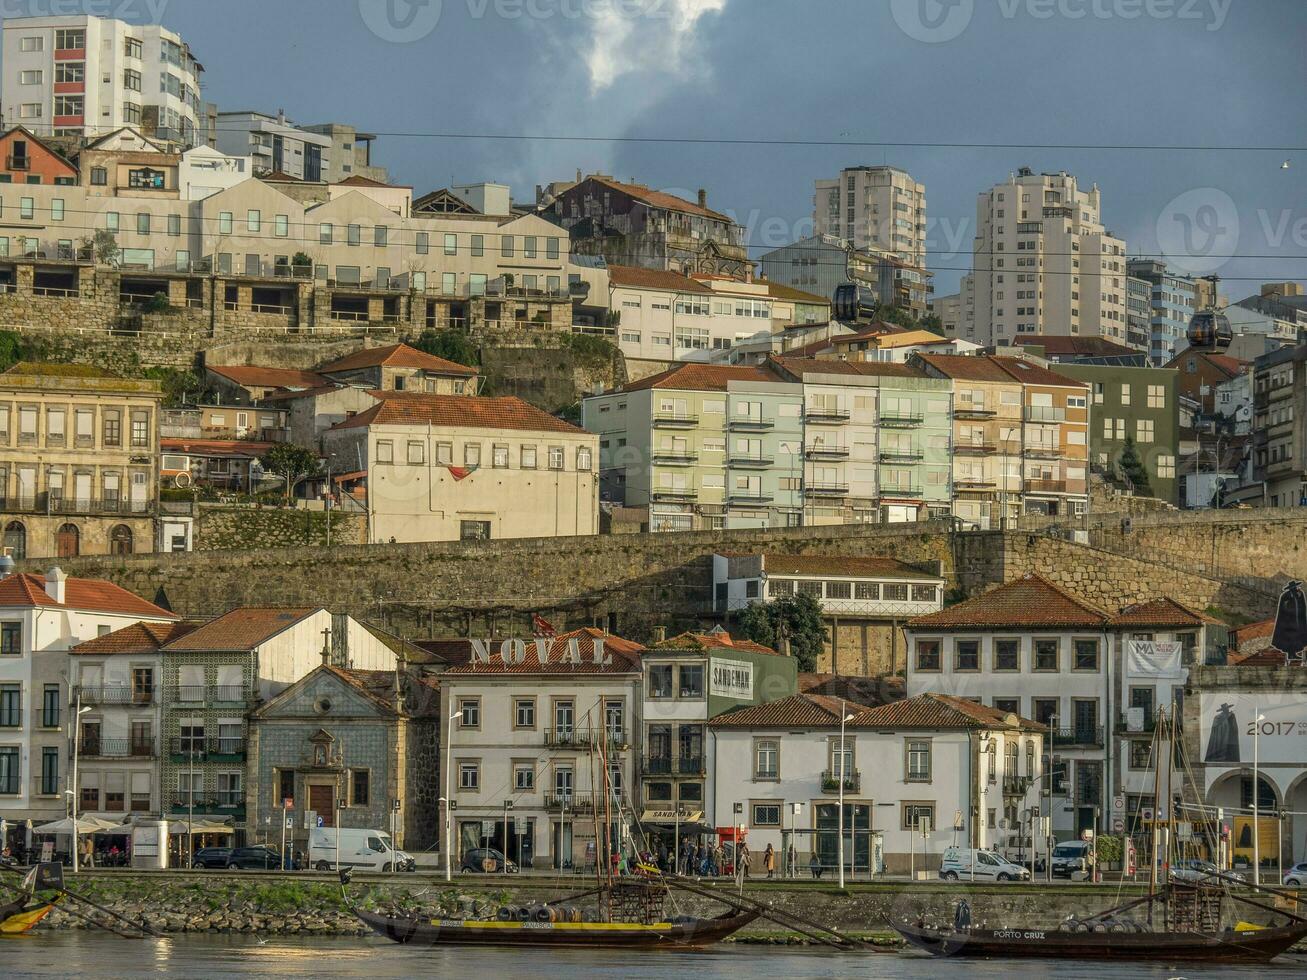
[1209,329]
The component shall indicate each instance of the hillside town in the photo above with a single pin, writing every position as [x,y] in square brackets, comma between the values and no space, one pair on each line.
[574,532]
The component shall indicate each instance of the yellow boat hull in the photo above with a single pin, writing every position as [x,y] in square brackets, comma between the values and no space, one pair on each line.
[23,922]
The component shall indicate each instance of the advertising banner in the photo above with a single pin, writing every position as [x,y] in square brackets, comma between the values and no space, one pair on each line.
[731,679]
[1229,721]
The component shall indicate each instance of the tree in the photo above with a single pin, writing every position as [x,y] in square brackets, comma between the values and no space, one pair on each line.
[452,345]
[103,246]
[901,317]
[1132,468]
[293,463]
[796,618]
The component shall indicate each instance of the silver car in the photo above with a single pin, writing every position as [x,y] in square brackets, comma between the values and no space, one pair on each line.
[1193,869]
[1296,877]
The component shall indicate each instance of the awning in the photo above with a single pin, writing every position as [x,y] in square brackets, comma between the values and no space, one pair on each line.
[669,816]
[179,827]
[86,825]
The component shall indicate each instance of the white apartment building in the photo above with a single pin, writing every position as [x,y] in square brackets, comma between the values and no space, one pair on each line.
[204,171]
[531,721]
[1044,263]
[1092,677]
[88,76]
[918,775]
[878,209]
[453,467]
[41,618]
[278,146]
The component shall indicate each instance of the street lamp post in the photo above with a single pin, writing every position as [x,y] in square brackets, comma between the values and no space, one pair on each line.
[508,805]
[844,716]
[77,789]
[449,796]
[1257,792]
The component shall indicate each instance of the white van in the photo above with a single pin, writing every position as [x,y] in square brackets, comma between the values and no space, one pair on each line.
[969,862]
[368,850]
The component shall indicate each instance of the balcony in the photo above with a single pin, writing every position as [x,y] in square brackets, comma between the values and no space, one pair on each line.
[613,739]
[669,457]
[901,420]
[1045,413]
[826,490]
[826,416]
[749,499]
[674,420]
[656,765]
[1043,452]
[750,462]
[1082,735]
[900,492]
[974,483]
[18,162]
[901,455]
[211,749]
[113,695]
[204,694]
[228,804]
[116,748]
[675,495]
[1046,486]
[691,766]
[975,449]
[962,410]
[750,424]
[830,782]
[556,803]
[826,452]
[1016,785]
[13,718]
[57,503]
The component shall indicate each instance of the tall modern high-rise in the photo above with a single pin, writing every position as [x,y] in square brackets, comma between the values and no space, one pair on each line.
[1043,263]
[1172,302]
[83,76]
[877,209]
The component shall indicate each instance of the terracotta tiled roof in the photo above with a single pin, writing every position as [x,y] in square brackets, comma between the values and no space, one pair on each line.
[239,630]
[967,368]
[659,199]
[800,367]
[936,711]
[358,180]
[1069,346]
[869,691]
[796,711]
[232,448]
[636,277]
[1231,367]
[327,389]
[416,408]
[1026,602]
[838,566]
[139,638]
[1253,631]
[625,656]
[267,377]
[778,290]
[396,355]
[716,640]
[1164,613]
[1267,656]
[700,377]
[24,589]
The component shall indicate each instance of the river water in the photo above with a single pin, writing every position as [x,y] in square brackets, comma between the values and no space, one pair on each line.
[76,954]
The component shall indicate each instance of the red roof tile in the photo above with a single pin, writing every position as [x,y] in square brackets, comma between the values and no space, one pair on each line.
[800,367]
[936,711]
[417,408]
[869,691]
[659,199]
[327,389]
[998,369]
[699,377]
[1164,613]
[233,448]
[796,711]
[91,594]
[1026,602]
[137,639]
[636,277]
[267,377]
[779,290]
[1063,346]
[358,180]
[396,355]
[239,630]
[624,654]
[716,640]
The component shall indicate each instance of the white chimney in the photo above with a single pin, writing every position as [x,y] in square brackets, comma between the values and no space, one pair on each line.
[56,584]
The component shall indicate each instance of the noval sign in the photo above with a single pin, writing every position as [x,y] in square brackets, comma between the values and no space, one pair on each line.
[537,649]
[731,679]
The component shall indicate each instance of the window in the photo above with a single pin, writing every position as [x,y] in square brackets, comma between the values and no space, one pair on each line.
[359,787]
[1085,654]
[1125,394]
[353,235]
[49,771]
[917,768]
[551,248]
[584,459]
[555,457]
[57,209]
[11,706]
[474,530]
[915,815]
[26,208]
[143,223]
[471,708]
[472,454]
[1046,655]
[524,713]
[69,105]
[528,457]
[660,681]
[11,639]
[524,777]
[224,223]
[380,235]
[417,453]
[469,775]
[1009,706]
[9,770]
[529,247]
[113,427]
[506,246]
[451,244]
[385,451]
[1143,430]
[444,453]
[1007,654]
[766,815]
[229,789]
[928,655]
[30,110]
[766,758]
[966,655]
[30,44]
[281,225]
[50,706]
[499,457]
[691,680]
[326,231]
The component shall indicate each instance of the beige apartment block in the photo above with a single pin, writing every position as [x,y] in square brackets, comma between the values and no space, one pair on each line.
[879,209]
[79,461]
[449,467]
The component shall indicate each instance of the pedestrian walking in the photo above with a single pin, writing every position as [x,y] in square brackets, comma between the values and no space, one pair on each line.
[769,861]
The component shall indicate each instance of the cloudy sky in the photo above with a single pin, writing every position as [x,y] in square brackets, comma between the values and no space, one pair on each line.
[630,73]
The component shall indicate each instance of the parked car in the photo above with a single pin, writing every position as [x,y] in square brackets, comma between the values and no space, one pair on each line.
[1195,869]
[366,850]
[970,862]
[485,860]
[257,858]
[1296,877]
[1073,858]
[211,857]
